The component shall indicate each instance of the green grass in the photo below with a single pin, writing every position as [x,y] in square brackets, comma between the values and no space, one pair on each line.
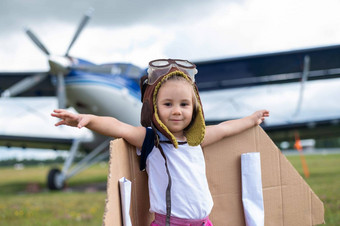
[325,182]
[20,207]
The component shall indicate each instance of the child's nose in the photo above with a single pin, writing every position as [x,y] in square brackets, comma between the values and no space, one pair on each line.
[176,110]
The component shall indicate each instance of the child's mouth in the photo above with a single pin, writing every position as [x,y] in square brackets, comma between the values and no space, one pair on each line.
[175,120]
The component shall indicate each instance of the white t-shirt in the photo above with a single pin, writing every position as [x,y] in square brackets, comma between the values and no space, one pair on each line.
[190,194]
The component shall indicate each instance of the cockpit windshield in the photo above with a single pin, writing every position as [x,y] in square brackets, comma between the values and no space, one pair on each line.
[125,69]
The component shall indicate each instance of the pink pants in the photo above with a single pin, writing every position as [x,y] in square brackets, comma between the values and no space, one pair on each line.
[175,221]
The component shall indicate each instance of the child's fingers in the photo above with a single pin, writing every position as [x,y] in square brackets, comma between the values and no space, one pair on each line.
[82,122]
[55,115]
[265,113]
[67,118]
[60,123]
[61,113]
[80,125]
[56,112]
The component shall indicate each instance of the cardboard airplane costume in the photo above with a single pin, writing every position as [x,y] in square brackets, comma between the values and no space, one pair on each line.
[288,200]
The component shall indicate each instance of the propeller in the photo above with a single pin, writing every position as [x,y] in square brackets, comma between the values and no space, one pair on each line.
[24,85]
[81,26]
[60,66]
[61,94]
[36,41]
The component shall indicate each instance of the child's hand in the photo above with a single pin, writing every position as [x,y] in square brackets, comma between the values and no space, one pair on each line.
[70,119]
[259,116]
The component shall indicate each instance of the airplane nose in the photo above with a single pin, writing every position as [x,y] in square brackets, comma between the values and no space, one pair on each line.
[59,65]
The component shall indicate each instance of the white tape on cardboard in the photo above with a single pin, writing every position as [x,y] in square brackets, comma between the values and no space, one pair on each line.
[125,198]
[252,196]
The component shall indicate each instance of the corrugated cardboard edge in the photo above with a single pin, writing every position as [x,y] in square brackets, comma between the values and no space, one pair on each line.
[124,163]
[283,188]
[112,211]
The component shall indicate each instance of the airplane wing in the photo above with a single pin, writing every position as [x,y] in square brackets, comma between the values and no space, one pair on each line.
[26,122]
[293,85]
[316,108]
[300,88]
[36,142]
[279,67]
[43,87]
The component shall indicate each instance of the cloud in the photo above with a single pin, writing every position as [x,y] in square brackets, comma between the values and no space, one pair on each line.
[137,31]
[108,13]
[123,31]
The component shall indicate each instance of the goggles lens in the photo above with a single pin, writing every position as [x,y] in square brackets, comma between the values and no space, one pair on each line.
[158,68]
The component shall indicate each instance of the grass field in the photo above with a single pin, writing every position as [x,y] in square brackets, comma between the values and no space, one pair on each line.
[325,181]
[26,201]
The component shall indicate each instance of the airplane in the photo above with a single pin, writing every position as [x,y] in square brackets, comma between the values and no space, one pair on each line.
[289,84]
[107,89]
[301,84]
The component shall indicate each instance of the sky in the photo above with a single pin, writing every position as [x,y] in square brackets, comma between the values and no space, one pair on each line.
[139,31]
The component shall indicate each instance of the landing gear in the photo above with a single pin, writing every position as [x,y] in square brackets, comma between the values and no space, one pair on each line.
[55,180]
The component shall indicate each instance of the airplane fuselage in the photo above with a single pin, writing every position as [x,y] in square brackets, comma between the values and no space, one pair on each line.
[102,94]
[115,94]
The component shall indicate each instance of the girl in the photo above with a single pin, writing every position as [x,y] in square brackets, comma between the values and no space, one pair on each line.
[170,141]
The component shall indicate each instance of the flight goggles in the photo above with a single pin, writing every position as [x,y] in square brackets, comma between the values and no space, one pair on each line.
[160,67]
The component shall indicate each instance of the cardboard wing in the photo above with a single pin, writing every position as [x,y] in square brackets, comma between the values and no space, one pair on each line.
[288,200]
[125,163]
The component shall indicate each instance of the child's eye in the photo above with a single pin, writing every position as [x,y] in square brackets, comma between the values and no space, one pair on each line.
[184,104]
[167,104]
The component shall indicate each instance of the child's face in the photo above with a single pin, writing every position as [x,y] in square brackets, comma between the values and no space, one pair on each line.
[175,106]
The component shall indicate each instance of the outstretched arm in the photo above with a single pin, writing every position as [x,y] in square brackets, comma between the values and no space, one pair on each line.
[107,126]
[228,128]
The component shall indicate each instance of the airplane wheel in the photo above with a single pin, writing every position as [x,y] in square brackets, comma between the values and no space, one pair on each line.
[55,180]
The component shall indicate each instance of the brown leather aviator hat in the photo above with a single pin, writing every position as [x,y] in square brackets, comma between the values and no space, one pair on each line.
[160,71]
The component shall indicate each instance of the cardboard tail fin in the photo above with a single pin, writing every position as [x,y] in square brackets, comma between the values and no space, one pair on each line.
[288,200]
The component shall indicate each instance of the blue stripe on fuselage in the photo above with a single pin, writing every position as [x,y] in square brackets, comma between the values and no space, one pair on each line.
[117,81]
